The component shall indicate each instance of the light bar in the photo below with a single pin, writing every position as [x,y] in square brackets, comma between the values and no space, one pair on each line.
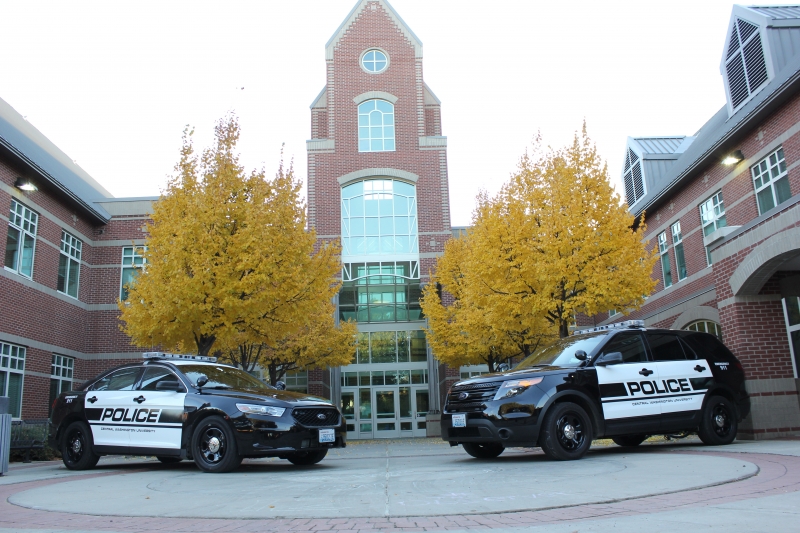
[617,325]
[185,357]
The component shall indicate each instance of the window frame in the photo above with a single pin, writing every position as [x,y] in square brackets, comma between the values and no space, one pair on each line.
[705,322]
[677,245]
[62,371]
[134,255]
[712,215]
[764,168]
[663,250]
[368,127]
[362,61]
[21,220]
[69,259]
[9,364]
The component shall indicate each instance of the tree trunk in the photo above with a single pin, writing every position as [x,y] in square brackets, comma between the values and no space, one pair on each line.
[563,328]
[204,343]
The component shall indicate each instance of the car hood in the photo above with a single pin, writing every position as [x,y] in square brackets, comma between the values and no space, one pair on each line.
[282,398]
[518,374]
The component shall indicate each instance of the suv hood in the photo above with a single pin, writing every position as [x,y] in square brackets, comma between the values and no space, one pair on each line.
[276,397]
[518,374]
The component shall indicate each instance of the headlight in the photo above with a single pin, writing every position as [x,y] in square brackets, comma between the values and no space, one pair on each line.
[260,409]
[509,389]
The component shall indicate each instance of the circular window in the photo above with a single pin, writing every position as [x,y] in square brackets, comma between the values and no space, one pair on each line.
[374,61]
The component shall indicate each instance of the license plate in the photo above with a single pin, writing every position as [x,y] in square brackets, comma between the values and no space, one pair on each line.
[459,421]
[327,435]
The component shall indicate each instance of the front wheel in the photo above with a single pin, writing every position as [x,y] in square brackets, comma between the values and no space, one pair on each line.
[629,440]
[483,451]
[566,432]
[76,447]
[718,425]
[307,458]
[214,446]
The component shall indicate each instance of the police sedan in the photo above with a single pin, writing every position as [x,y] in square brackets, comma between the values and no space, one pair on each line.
[624,382]
[179,407]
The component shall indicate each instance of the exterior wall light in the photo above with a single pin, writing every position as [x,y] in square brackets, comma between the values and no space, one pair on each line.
[733,158]
[25,185]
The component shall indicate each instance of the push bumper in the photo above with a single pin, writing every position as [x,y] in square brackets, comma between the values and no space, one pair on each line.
[480,428]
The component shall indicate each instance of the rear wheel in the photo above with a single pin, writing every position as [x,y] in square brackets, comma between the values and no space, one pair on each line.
[718,424]
[307,458]
[168,460]
[566,432]
[483,451]
[76,447]
[629,440]
[214,446]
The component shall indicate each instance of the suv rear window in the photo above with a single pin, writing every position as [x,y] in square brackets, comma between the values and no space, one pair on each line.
[708,346]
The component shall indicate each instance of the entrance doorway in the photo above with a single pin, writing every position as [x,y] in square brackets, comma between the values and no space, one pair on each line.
[385,412]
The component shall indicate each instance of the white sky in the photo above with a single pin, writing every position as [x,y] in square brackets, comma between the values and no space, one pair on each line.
[114,84]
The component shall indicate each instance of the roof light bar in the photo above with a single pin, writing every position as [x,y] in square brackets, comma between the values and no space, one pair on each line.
[617,325]
[185,357]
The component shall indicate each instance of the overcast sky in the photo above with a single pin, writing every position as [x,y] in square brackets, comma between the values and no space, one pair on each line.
[114,84]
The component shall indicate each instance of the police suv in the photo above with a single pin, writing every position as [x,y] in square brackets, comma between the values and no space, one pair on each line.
[179,407]
[623,382]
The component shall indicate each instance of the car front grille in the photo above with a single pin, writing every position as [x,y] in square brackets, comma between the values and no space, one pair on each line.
[477,395]
[309,417]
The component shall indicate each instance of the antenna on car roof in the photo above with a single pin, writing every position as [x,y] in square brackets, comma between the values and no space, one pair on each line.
[617,325]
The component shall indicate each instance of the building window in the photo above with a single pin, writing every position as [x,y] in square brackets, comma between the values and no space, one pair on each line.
[297,381]
[473,371]
[380,292]
[771,181]
[712,216]
[374,61]
[706,326]
[385,377]
[612,313]
[376,126]
[666,268]
[12,370]
[633,178]
[791,310]
[745,66]
[391,347]
[677,242]
[133,261]
[21,239]
[61,373]
[69,264]
[379,217]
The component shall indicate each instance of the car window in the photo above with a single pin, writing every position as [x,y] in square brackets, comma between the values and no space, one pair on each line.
[708,346]
[153,375]
[665,347]
[122,379]
[630,345]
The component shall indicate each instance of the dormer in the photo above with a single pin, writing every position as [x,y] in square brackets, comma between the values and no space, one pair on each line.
[647,159]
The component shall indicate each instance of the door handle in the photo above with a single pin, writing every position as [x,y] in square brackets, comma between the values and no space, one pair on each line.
[700,368]
[140,399]
[645,372]
[92,399]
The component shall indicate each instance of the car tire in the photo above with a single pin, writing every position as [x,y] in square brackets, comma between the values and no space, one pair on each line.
[76,447]
[214,446]
[169,460]
[718,424]
[629,440]
[307,458]
[566,432]
[488,450]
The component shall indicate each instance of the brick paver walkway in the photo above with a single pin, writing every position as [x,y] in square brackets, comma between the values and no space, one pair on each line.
[778,474]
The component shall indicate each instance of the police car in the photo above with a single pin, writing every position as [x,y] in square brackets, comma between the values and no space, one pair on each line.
[624,382]
[179,407]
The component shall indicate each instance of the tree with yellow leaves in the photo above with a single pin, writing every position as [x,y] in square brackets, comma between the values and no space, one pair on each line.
[228,260]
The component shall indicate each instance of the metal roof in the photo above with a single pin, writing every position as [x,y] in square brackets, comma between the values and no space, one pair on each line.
[35,151]
[778,12]
[660,145]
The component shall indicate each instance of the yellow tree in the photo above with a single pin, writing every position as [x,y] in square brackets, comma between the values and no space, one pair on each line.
[229,260]
[558,241]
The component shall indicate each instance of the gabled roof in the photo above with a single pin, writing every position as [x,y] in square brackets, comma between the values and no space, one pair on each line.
[21,140]
[662,145]
[351,17]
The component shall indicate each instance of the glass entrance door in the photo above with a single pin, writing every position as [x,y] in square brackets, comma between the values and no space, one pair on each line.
[386,413]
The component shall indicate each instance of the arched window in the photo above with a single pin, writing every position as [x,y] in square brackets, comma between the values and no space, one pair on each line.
[376,126]
[706,326]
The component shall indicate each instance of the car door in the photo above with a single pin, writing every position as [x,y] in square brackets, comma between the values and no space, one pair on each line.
[626,388]
[108,404]
[683,379]
[158,413]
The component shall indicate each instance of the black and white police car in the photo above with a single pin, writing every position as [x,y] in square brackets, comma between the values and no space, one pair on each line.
[624,382]
[179,407]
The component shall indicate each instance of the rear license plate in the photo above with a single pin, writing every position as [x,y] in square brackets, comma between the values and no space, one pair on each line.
[459,421]
[327,435]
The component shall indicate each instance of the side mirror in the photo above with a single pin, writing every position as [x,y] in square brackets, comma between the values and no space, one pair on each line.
[613,358]
[280,385]
[171,385]
[202,379]
[580,355]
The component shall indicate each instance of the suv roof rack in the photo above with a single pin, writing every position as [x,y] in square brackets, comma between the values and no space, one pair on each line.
[184,357]
[617,325]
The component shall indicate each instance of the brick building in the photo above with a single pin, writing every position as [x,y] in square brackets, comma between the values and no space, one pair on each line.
[67,248]
[723,209]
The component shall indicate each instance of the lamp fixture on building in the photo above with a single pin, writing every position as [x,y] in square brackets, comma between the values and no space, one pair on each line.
[733,158]
[25,184]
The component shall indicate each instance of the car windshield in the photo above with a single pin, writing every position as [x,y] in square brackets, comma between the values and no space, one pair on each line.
[562,352]
[225,377]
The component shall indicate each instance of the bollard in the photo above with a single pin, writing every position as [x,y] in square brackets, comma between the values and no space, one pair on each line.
[5,434]
[433,424]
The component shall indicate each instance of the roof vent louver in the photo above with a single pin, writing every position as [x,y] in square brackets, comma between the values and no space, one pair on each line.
[745,66]
[633,179]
